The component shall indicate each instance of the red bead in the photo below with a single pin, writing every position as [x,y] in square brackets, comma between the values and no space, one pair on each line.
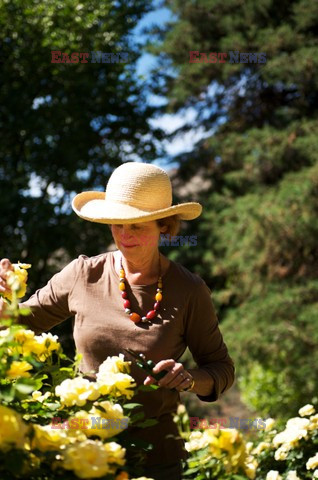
[124,295]
[156,306]
[127,304]
[151,314]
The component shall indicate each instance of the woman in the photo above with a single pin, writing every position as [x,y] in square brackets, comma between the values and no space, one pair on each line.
[136,298]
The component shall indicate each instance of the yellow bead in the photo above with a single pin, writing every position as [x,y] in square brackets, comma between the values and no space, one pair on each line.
[121,273]
[122,286]
[158,297]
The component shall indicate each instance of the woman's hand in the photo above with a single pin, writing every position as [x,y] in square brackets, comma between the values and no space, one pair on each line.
[177,377]
[5,267]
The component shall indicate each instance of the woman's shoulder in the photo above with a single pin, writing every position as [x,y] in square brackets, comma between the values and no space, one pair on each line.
[184,277]
[94,260]
[84,263]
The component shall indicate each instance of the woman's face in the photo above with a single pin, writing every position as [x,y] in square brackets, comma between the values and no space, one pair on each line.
[137,239]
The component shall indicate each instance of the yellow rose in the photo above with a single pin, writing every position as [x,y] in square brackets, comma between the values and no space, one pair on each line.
[115,365]
[228,437]
[196,441]
[13,430]
[273,475]
[312,462]
[115,384]
[47,438]
[296,429]
[76,391]
[40,345]
[181,409]
[292,475]
[50,437]
[116,455]
[270,422]
[306,410]
[45,345]
[25,339]
[142,478]
[229,441]
[282,452]
[87,459]
[250,469]
[16,280]
[19,369]
[260,447]
[37,395]
[3,334]
[106,423]
[313,422]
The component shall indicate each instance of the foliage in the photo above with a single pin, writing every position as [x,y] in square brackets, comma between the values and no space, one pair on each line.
[277,453]
[257,162]
[289,454]
[64,126]
[53,421]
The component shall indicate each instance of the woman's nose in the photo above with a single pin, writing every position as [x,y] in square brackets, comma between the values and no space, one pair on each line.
[125,231]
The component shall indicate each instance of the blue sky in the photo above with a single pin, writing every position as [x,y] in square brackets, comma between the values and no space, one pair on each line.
[158,17]
[167,122]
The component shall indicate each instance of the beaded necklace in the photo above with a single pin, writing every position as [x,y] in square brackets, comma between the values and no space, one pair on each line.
[134,317]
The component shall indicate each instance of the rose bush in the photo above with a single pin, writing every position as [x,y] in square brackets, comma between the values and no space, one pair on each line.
[289,453]
[54,423]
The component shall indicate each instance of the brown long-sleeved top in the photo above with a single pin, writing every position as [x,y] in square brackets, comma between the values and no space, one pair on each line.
[87,288]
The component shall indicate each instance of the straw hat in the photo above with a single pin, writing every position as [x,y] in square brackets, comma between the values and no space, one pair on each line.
[135,192]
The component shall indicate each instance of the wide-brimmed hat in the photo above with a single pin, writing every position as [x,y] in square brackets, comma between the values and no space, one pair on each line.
[135,192]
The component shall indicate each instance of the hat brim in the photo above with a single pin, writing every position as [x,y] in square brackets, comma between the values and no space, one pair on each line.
[92,206]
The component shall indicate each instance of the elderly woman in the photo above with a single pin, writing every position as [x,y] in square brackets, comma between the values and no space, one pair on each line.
[135,297]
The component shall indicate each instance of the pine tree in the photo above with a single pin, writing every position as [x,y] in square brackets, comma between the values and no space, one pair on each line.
[257,246]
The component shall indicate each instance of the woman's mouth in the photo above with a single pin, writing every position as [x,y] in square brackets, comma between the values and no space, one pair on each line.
[128,246]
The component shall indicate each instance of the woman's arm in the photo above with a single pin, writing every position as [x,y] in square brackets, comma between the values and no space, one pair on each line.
[49,305]
[215,372]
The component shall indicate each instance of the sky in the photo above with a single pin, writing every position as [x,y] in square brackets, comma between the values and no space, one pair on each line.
[169,123]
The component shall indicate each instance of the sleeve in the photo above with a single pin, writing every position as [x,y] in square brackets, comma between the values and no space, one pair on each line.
[50,304]
[205,341]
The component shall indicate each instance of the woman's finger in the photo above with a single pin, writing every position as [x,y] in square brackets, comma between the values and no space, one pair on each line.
[149,380]
[179,381]
[5,265]
[171,377]
[164,365]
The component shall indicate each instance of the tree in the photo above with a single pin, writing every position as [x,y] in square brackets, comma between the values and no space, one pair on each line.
[65,126]
[257,244]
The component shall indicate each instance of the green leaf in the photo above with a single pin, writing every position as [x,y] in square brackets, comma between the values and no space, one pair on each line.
[147,423]
[147,388]
[130,406]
